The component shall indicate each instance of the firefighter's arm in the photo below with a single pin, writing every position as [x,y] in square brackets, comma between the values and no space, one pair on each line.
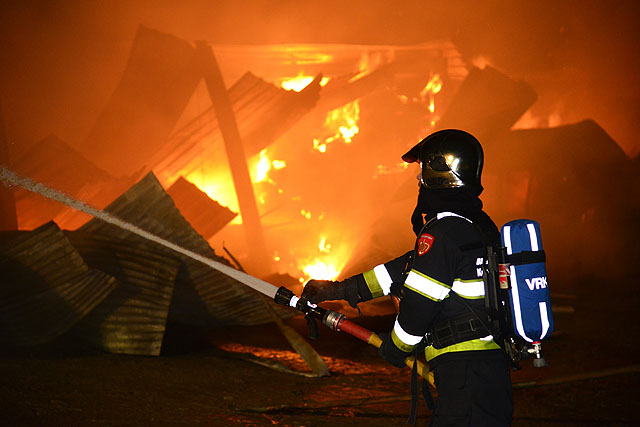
[416,314]
[316,291]
[361,287]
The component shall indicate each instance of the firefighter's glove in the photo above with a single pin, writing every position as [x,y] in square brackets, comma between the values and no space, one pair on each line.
[316,291]
[389,352]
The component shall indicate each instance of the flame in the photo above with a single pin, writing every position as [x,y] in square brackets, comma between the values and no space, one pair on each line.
[218,184]
[323,246]
[341,123]
[278,164]
[317,145]
[433,86]
[264,165]
[326,266]
[301,81]
[297,83]
[320,270]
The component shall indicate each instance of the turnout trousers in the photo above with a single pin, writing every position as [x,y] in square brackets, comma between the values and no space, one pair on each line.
[472,392]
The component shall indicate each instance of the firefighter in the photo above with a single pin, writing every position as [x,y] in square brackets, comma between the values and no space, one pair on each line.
[440,287]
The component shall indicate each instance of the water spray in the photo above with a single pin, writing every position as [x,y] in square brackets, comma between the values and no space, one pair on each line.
[11,178]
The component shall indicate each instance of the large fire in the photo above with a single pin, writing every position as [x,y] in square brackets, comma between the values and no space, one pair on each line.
[305,243]
[321,263]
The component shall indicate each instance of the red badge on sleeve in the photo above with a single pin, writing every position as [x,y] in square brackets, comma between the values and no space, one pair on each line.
[424,243]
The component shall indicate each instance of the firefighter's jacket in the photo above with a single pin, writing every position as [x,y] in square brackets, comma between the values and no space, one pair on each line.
[448,258]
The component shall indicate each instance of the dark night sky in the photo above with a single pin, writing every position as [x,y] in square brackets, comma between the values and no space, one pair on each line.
[60,61]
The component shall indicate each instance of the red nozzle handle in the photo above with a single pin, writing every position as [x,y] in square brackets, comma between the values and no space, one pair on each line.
[355,330]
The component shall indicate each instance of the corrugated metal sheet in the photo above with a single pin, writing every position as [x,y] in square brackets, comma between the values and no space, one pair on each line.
[149,207]
[45,285]
[263,112]
[205,215]
[133,318]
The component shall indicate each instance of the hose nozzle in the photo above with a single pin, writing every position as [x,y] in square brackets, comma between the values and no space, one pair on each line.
[286,297]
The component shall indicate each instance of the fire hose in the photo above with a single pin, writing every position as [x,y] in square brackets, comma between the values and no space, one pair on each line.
[339,322]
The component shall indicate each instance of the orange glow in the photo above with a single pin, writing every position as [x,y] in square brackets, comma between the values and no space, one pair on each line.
[366,65]
[481,62]
[303,54]
[305,214]
[386,170]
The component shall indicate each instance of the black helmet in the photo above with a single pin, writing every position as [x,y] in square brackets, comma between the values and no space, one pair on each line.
[449,158]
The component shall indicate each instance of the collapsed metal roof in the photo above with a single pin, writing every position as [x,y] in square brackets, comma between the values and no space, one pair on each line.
[114,289]
[45,286]
[262,110]
[133,318]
